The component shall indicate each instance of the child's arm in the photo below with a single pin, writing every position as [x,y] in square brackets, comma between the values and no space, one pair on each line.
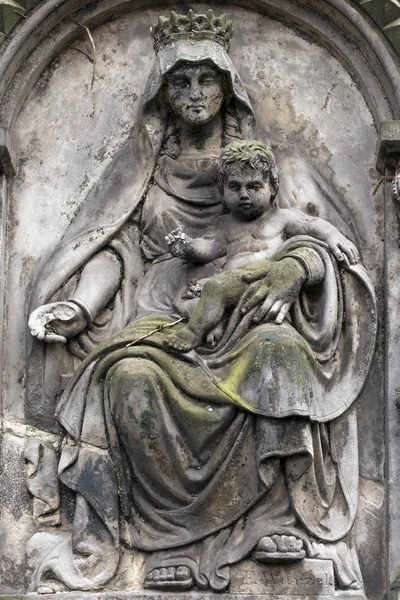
[300,224]
[198,250]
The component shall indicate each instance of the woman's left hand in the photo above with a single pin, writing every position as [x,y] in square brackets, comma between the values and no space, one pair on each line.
[274,288]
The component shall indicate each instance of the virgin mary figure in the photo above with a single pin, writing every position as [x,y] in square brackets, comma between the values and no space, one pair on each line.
[250,449]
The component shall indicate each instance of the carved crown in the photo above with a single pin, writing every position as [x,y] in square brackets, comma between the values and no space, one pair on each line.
[192,27]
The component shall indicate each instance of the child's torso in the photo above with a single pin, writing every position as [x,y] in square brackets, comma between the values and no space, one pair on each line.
[253,241]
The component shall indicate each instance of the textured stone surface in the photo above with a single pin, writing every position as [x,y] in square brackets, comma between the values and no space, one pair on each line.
[195,596]
[308,578]
[303,97]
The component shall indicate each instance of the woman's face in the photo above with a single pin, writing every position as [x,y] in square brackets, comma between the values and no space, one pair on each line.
[195,93]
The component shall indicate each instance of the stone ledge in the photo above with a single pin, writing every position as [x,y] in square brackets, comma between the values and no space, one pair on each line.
[310,579]
[388,148]
[307,578]
[337,595]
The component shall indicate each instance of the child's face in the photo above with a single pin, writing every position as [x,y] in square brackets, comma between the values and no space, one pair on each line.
[246,194]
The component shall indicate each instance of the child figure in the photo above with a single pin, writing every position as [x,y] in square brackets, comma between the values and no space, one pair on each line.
[251,234]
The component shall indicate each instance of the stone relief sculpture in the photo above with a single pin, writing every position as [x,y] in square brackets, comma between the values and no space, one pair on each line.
[211,417]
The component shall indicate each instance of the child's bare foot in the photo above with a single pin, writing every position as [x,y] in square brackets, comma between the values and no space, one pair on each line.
[184,341]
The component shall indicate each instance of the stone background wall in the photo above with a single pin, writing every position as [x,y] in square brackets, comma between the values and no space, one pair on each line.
[303,97]
[384,13]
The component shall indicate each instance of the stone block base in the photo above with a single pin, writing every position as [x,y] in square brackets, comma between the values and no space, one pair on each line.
[307,580]
[338,595]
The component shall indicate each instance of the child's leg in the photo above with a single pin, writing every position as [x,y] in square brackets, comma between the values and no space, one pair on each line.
[218,294]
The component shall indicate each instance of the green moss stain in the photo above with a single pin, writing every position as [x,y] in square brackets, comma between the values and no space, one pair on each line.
[147,420]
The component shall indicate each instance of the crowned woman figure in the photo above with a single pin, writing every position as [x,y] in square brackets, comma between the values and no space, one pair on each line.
[170,455]
[162,178]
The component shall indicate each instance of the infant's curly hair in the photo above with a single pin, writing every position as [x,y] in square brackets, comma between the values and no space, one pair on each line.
[253,154]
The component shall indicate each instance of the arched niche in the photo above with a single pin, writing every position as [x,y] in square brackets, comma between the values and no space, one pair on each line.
[53,150]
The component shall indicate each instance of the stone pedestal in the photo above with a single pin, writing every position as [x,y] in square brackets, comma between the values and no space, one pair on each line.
[321,85]
[307,580]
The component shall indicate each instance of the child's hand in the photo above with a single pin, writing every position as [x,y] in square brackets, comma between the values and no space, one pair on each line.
[178,243]
[342,248]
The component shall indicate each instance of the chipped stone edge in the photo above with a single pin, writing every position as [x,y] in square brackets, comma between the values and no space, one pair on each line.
[388,146]
[23,431]
[338,595]
[7,155]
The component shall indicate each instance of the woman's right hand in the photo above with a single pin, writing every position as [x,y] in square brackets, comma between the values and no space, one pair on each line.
[57,322]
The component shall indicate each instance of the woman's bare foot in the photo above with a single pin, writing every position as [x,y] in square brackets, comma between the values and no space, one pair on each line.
[279,548]
[175,579]
[184,341]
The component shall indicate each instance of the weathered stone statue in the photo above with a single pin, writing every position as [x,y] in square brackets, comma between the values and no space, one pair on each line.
[242,440]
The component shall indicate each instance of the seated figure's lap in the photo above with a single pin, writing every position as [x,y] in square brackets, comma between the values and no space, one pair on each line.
[131,379]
